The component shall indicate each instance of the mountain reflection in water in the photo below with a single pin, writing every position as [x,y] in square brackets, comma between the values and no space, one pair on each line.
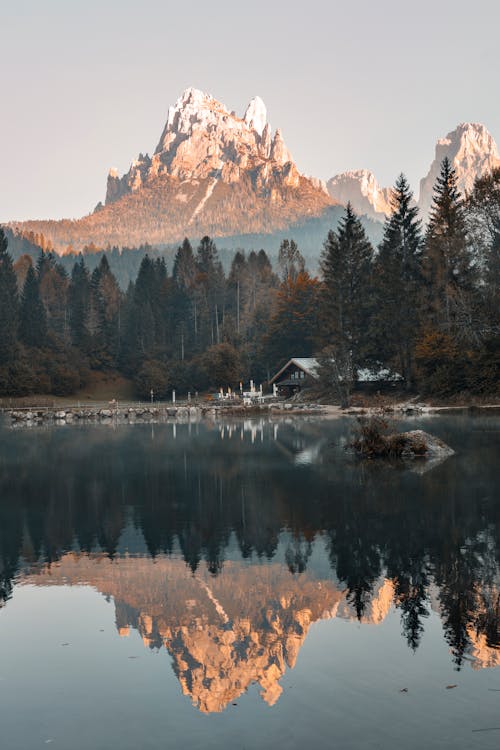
[224,543]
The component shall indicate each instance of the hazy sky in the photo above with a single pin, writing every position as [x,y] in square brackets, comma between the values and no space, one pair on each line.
[86,84]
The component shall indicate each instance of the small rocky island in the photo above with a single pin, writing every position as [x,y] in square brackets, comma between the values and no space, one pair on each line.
[371,441]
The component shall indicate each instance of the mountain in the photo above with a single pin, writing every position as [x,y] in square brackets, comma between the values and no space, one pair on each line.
[211,173]
[231,177]
[223,633]
[362,190]
[472,151]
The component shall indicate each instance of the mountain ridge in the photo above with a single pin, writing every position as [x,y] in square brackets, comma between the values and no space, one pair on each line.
[213,172]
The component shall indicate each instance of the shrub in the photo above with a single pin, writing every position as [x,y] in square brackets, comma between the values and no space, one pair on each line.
[153,376]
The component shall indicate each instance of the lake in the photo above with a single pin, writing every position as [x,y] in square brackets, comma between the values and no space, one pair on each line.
[248,584]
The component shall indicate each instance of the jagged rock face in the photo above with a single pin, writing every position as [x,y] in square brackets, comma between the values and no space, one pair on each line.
[202,139]
[472,151]
[244,627]
[362,190]
[211,173]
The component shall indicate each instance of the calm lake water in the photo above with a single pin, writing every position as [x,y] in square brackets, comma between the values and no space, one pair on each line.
[247,585]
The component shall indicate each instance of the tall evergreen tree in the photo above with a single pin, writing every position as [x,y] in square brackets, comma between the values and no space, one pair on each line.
[397,283]
[145,301]
[209,296]
[448,267]
[184,276]
[184,269]
[106,301]
[8,305]
[346,267]
[32,316]
[79,296]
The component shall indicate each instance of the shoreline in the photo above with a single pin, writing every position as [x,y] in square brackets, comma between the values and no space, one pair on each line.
[141,413]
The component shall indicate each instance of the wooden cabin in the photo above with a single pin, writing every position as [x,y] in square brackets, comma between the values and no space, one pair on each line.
[302,372]
[298,373]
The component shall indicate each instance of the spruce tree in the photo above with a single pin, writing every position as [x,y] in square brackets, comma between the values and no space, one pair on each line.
[79,305]
[183,276]
[32,316]
[184,269]
[397,283]
[8,305]
[448,267]
[145,305]
[346,267]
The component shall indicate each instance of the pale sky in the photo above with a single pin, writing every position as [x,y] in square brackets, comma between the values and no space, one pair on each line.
[86,84]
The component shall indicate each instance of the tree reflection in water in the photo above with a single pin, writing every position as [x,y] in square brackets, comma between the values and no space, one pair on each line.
[224,544]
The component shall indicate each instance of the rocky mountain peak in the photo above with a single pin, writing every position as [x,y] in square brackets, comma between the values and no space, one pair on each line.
[256,115]
[361,189]
[202,139]
[471,149]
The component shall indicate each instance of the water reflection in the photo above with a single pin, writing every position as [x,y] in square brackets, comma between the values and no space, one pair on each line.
[224,543]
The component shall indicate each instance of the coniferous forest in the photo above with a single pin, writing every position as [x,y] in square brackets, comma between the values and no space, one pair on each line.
[425,303]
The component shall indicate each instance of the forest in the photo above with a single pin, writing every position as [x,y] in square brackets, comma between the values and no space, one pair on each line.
[424,303]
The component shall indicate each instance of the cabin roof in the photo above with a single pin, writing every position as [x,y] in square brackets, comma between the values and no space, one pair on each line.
[308,364]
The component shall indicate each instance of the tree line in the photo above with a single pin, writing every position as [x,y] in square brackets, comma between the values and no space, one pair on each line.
[424,304]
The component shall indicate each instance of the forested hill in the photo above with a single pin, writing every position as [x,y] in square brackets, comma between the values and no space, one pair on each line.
[425,303]
[125,261]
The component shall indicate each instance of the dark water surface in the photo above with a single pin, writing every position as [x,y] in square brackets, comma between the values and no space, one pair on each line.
[247,585]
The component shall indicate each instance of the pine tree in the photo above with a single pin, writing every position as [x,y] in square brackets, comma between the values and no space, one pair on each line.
[8,305]
[79,305]
[184,269]
[209,294]
[397,283]
[346,267]
[145,299]
[104,315]
[448,267]
[183,296]
[32,316]
[236,282]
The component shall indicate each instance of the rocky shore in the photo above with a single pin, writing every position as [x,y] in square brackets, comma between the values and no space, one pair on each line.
[153,413]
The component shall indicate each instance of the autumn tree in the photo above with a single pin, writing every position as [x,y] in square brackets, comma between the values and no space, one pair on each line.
[293,326]
[290,260]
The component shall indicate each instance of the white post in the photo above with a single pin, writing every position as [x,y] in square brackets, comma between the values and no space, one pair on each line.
[173,397]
